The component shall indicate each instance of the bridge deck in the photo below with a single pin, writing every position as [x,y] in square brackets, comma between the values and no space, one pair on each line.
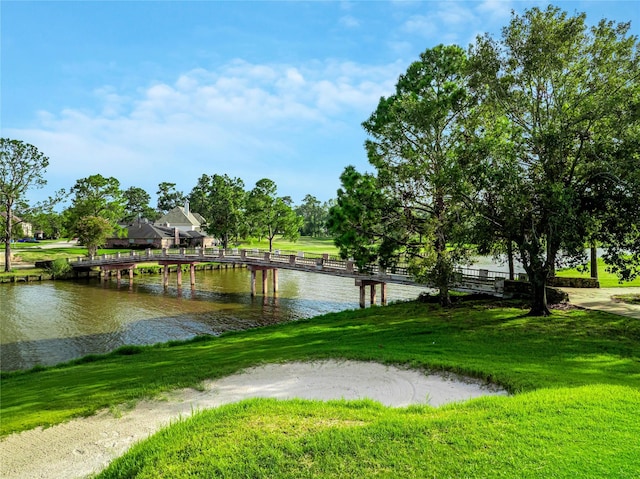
[467,280]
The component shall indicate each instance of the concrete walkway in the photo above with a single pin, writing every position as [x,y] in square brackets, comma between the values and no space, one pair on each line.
[600,300]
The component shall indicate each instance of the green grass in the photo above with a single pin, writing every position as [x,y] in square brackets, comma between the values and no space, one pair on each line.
[560,433]
[577,375]
[606,279]
[304,243]
[30,253]
[23,272]
[570,349]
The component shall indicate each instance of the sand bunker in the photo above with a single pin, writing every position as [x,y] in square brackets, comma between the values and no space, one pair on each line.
[84,446]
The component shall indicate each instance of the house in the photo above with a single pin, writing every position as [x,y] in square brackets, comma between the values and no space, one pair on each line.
[180,227]
[182,218]
[27,228]
[143,234]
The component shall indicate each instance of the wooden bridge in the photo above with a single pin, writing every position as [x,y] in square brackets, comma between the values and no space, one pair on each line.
[467,280]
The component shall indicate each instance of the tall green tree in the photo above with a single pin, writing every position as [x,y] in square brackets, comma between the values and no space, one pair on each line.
[617,225]
[168,197]
[199,197]
[220,199]
[22,166]
[93,231]
[94,197]
[137,204]
[269,215]
[415,137]
[314,214]
[363,221]
[569,95]
[97,195]
[496,189]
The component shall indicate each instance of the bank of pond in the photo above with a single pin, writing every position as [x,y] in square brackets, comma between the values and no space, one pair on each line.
[41,272]
[575,379]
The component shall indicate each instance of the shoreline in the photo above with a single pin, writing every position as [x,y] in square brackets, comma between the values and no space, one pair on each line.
[19,276]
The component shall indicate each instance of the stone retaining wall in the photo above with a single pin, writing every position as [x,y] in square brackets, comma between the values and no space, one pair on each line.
[561,282]
[520,289]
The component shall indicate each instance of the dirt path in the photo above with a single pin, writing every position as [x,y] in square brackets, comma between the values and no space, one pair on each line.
[84,446]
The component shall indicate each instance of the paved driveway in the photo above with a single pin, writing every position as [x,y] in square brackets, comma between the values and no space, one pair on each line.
[600,299]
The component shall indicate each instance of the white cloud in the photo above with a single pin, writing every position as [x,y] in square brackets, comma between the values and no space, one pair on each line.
[242,119]
[496,10]
[452,22]
[349,21]
[420,24]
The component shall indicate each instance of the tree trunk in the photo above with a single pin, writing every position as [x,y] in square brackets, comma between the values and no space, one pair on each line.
[443,279]
[551,260]
[538,280]
[510,259]
[7,237]
[444,296]
[594,261]
[442,266]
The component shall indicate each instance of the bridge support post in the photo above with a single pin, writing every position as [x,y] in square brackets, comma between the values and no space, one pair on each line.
[275,281]
[253,282]
[179,274]
[363,283]
[265,278]
[192,274]
[265,273]
[165,275]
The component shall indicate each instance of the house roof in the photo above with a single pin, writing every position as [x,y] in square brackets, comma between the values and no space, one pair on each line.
[180,216]
[150,231]
[199,217]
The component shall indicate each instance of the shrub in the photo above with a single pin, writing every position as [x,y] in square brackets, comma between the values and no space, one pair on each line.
[59,267]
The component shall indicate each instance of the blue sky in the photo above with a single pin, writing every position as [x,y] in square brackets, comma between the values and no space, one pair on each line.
[153,91]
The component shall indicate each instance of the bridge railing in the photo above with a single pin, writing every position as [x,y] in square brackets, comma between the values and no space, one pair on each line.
[322,261]
[480,273]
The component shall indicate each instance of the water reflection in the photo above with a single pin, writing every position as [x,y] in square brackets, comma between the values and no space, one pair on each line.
[50,322]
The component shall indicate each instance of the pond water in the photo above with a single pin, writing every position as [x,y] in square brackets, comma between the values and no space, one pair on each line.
[54,321]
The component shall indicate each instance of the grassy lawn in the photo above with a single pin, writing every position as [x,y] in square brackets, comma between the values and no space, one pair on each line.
[577,375]
[560,433]
[30,253]
[607,280]
[33,253]
[304,243]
